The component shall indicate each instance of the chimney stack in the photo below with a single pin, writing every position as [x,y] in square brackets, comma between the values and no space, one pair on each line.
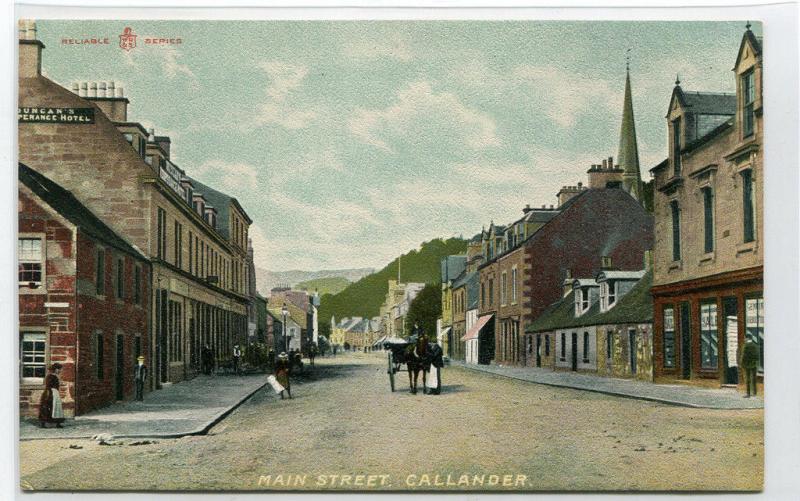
[567,284]
[648,260]
[30,50]
[605,263]
[527,209]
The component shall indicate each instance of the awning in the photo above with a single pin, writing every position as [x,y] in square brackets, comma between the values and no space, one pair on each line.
[476,329]
[444,332]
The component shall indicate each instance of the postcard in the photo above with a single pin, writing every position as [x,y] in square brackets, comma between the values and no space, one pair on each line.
[391,255]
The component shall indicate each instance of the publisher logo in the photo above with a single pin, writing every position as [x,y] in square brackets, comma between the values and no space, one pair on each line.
[127,40]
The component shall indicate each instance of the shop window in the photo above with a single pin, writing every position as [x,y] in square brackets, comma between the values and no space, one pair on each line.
[669,337]
[709,349]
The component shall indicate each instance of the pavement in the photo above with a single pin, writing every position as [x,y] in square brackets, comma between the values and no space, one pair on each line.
[187,408]
[672,394]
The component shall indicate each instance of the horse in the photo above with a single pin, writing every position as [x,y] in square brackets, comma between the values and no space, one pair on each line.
[420,355]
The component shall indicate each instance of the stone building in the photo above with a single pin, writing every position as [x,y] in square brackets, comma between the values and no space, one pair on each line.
[709,215]
[84,141]
[451,268]
[83,300]
[603,325]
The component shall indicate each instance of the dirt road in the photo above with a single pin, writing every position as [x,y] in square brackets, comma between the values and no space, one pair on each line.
[345,430]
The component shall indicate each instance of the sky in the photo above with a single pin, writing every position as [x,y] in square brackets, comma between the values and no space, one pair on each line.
[349,143]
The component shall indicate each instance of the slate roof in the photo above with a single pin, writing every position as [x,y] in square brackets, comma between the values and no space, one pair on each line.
[540,215]
[65,203]
[219,201]
[452,266]
[362,326]
[462,279]
[709,103]
[297,315]
[473,286]
[634,307]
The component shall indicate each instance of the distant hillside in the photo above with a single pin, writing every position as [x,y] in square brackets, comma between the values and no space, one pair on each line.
[266,279]
[364,297]
[332,285]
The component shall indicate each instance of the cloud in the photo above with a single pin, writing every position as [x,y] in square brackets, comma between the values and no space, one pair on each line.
[284,80]
[565,95]
[234,177]
[418,113]
[393,48]
[169,58]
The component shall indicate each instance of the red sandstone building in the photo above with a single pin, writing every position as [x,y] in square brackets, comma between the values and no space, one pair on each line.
[83,300]
[194,236]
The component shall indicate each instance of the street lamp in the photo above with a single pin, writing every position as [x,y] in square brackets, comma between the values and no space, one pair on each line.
[285,312]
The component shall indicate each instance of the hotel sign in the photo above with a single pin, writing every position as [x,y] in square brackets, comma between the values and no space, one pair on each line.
[56,115]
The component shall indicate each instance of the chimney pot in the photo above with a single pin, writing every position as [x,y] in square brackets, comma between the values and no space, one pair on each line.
[101,90]
[110,91]
[611,161]
[551,206]
[93,89]
[76,88]
[580,184]
[84,89]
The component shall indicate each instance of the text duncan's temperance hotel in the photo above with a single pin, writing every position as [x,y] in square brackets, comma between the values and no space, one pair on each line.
[194,240]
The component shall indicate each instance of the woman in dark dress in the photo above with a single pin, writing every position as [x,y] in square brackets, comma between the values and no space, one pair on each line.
[50,407]
[282,368]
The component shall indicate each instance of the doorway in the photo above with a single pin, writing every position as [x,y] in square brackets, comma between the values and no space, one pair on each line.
[686,341]
[119,368]
[538,350]
[730,340]
[574,351]
[632,349]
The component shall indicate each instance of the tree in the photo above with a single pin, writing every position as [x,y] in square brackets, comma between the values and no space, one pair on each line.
[425,309]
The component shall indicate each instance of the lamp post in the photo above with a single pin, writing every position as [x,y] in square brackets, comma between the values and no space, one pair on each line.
[285,312]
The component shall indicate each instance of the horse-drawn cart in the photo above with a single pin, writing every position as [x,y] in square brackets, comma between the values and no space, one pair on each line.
[415,355]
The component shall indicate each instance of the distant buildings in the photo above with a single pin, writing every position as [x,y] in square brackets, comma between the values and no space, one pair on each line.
[395,306]
[356,333]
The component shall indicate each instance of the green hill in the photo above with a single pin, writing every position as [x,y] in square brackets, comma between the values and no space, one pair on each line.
[365,297]
[330,285]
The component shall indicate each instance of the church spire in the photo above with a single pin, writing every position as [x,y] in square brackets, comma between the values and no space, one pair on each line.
[628,150]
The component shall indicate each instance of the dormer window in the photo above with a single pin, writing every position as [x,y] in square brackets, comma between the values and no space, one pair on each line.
[581,301]
[608,295]
[748,103]
[676,147]
[199,205]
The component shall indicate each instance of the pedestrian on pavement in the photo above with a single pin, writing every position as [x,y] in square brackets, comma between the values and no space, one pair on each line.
[312,352]
[271,358]
[140,376]
[237,358]
[750,359]
[282,370]
[334,350]
[50,407]
[207,359]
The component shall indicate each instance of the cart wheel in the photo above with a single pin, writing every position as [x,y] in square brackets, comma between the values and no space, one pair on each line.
[391,371]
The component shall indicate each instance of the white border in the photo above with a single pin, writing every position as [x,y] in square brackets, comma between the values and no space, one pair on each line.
[782,224]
